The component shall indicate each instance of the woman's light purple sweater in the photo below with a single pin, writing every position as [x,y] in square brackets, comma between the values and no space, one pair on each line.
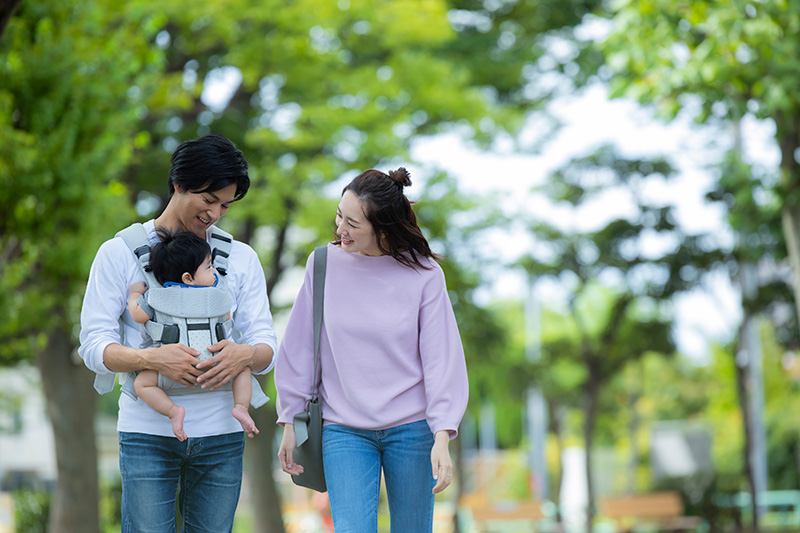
[390,351]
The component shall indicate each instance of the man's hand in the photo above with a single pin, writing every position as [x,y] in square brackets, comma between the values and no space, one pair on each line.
[228,362]
[174,361]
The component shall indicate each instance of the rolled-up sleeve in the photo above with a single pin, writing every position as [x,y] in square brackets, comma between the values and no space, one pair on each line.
[252,317]
[104,301]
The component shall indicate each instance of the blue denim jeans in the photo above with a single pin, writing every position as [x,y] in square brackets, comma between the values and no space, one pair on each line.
[208,469]
[353,459]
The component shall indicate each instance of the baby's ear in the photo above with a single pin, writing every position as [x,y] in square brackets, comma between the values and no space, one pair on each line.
[187,278]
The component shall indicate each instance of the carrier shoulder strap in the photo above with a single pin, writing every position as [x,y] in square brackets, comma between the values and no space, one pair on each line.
[135,236]
[221,243]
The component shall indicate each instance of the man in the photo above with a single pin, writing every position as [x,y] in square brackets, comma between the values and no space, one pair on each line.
[206,176]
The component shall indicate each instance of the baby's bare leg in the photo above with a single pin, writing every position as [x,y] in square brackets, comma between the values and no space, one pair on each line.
[146,387]
[242,389]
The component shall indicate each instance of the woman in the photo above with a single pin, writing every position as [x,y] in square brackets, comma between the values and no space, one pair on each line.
[393,377]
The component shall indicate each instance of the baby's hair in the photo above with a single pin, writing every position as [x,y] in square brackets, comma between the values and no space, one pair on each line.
[178,252]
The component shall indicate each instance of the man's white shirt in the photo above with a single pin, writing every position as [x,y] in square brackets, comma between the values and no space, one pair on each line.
[114,270]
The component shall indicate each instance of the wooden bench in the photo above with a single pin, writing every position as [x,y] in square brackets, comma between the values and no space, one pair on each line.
[489,517]
[662,510]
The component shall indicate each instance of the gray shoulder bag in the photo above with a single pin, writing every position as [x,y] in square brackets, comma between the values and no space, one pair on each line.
[308,424]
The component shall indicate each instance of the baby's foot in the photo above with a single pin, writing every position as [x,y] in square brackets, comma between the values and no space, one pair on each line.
[176,415]
[241,414]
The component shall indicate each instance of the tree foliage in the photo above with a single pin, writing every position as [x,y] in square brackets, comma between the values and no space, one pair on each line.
[619,284]
[69,128]
[728,59]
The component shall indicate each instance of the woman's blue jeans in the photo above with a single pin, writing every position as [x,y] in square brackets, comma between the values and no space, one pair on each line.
[353,459]
[208,469]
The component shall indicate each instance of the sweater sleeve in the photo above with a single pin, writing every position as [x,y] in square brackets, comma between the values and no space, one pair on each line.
[442,354]
[294,367]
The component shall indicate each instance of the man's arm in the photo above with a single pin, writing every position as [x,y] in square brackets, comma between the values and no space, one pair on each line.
[174,361]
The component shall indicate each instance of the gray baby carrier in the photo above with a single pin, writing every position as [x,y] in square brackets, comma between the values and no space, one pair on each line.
[195,317]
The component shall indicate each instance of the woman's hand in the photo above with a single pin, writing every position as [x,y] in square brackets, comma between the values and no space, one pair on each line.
[440,461]
[285,452]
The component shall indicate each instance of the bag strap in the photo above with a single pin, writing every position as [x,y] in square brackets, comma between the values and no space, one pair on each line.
[320,263]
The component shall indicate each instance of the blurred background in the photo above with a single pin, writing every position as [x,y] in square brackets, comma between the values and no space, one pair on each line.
[613,186]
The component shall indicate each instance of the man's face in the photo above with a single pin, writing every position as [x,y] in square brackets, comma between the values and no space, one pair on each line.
[197,211]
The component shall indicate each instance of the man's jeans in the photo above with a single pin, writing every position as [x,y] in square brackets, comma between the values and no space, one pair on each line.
[208,469]
[353,459]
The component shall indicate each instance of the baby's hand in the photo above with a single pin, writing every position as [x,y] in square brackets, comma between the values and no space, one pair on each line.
[140,287]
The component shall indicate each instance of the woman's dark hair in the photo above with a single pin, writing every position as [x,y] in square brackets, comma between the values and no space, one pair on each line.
[391,215]
[209,164]
[178,252]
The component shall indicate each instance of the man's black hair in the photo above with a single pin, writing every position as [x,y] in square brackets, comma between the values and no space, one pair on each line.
[178,252]
[208,164]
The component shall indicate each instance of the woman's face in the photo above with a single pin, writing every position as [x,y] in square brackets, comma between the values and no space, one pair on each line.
[353,228]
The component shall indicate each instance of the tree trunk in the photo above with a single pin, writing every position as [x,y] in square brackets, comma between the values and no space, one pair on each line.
[7,8]
[71,400]
[791,232]
[259,451]
[590,410]
[457,451]
[633,430]
[266,501]
[741,388]
[557,417]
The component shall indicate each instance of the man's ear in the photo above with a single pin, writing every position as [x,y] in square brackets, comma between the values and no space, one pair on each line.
[187,278]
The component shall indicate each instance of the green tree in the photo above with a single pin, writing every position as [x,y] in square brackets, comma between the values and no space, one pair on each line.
[619,289]
[69,127]
[732,59]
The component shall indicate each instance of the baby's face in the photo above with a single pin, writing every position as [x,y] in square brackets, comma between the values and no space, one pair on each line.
[205,274]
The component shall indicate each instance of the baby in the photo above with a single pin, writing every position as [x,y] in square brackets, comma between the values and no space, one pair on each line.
[182,260]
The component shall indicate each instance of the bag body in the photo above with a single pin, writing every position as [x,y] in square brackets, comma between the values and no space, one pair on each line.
[309,452]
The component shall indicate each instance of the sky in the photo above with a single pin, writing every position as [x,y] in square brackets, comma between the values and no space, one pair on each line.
[589,121]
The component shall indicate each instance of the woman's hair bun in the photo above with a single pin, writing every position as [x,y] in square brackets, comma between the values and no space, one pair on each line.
[401,177]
